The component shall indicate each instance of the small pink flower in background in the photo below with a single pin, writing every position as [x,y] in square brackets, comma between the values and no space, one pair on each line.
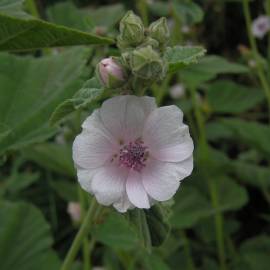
[74,210]
[177,91]
[110,70]
[260,26]
[185,29]
[131,153]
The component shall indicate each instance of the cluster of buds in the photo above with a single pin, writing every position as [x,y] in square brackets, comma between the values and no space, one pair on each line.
[141,62]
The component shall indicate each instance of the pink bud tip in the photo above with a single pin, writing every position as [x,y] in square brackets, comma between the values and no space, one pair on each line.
[109,67]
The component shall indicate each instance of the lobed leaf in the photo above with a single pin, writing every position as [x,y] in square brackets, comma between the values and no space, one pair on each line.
[25,241]
[179,57]
[30,90]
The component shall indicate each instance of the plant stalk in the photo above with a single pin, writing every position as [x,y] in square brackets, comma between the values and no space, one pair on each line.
[260,71]
[82,233]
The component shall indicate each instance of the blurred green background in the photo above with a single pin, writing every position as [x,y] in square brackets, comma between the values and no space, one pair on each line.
[219,218]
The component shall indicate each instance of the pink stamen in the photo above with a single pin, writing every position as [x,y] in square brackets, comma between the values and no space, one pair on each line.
[133,155]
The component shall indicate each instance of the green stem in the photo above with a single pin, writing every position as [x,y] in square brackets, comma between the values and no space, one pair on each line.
[254,48]
[86,255]
[218,224]
[32,8]
[86,250]
[188,255]
[142,8]
[83,231]
[211,184]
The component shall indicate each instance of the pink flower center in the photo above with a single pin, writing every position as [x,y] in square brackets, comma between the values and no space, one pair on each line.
[133,155]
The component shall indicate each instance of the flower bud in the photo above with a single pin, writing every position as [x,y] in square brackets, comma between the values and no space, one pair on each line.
[131,30]
[74,210]
[147,64]
[159,30]
[110,73]
[177,91]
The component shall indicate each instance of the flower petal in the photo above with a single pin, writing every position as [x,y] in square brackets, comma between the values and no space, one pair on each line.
[124,116]
[166,136]
[94,122]
[108,184]
[92,150]
[85,178]
[162,179]
[95,145]
[135,190]
[123,204]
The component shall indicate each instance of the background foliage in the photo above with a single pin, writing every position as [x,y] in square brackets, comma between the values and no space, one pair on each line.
[219,218]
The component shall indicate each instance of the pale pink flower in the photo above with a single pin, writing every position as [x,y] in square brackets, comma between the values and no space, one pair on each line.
[74,210]
[131,153]
[260,26]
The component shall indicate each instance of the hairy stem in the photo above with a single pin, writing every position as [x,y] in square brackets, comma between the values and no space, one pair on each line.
[82,233]
[86,251]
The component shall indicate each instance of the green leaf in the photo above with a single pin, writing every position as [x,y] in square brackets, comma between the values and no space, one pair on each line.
[152,261]
[231,195]
[115,232]
[52,156]
[255,252]
[20,31]
[90,92]
[138,222]
[66,13]
[12,7]
[151,225]
[67,190]
[107,16]
[30,90]
[208,68]
[157,220]
[192,206]
[252,174]
[229,97]
[179,57]
[85,19]
[25,241]
[189,208]
[206,228]
[188,12]
[19,181]
[216,130]
[251,133]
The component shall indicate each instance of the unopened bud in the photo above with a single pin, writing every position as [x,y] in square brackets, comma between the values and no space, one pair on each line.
[131,30]
[110,73]
[159,30]
[74,210]
[147,64]
[177,91]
